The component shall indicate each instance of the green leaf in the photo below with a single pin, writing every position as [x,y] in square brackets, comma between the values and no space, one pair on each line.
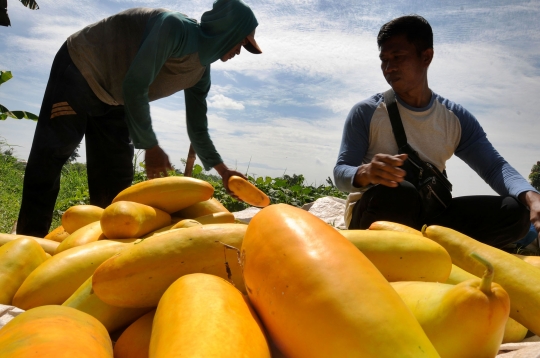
[5,76]
[197,169]
[24,115]
[31,4]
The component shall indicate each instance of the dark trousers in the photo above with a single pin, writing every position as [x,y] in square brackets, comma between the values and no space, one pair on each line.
[494,220]
[70,110]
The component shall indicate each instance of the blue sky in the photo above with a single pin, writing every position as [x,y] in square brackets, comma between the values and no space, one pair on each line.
[283,111]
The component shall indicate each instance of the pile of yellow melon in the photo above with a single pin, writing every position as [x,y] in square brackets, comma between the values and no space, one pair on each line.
[167,272]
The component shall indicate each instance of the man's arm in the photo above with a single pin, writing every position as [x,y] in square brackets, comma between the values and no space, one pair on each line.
[350,173]
[478,152]
[197,128]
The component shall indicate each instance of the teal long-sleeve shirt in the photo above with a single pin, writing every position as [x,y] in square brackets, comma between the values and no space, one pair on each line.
[142,54]
[166,40]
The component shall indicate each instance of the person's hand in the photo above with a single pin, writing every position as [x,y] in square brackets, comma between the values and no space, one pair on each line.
[156,162]
[226,173]
[383,169]
[532,200]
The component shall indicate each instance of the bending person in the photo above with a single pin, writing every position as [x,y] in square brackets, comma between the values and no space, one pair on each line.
[101,82]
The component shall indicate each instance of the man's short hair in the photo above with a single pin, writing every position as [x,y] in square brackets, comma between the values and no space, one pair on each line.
[417,30]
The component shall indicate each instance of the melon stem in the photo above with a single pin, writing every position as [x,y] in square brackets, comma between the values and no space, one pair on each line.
[485,285]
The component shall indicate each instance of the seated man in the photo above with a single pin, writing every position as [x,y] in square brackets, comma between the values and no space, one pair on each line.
[368,164]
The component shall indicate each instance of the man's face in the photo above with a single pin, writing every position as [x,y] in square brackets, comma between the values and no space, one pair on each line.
[401,65]
[234,51]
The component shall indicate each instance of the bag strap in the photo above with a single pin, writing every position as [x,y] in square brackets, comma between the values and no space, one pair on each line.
[395,119]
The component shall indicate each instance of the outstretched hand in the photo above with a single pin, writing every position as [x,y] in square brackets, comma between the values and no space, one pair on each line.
[156,162]
[226,173]
[383,169]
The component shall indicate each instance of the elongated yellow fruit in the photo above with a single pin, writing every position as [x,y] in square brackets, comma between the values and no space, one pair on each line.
[513,331]
[85,300]
[207,207]
[466,320]
[54,331]
[88,233]
[78,216]
[248,192]
[57,278]
[215,321]
[169,194]
[48,245]
[530,259]
[402,256]
[216,218]
[126,219]
[319,296]
[58,234]
[134,342]
[520,279]
[139,276]
[18,259]
[392,226]
[183,224]
[459,275]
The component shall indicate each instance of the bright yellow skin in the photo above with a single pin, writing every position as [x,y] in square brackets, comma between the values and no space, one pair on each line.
[134,342]
[458,275]
[169,194]
[184,224]
[139,276]
[520,279]
[18,259]
[392,226]
[461,321]
[113,318]
[48,245]
[533,260]
[54,331]
[248,192]
[78,216]
[88,233]
[215,321]
[216,218]
[319,296]
[58,234]
[402,256]
[57,278]
[514,331]
[210,206]
[126,219]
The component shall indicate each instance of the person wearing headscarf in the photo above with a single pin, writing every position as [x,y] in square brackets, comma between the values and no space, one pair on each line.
[100,86]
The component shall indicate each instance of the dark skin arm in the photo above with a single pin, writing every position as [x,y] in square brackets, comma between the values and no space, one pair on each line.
[383,169]
[157,164]
[532,200]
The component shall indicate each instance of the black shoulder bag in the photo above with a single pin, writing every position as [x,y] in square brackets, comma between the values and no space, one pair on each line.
[432,185]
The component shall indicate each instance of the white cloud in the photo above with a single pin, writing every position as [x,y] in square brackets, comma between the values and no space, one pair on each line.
[220,101]
[319,58]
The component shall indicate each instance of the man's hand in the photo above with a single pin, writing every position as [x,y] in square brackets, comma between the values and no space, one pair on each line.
[226,173]
[156,162]
[383,170]
[532,200]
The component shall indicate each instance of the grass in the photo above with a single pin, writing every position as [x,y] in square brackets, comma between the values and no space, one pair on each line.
[74,188]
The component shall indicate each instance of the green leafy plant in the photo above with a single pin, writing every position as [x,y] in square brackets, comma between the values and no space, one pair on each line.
[4,18]
[4,112]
